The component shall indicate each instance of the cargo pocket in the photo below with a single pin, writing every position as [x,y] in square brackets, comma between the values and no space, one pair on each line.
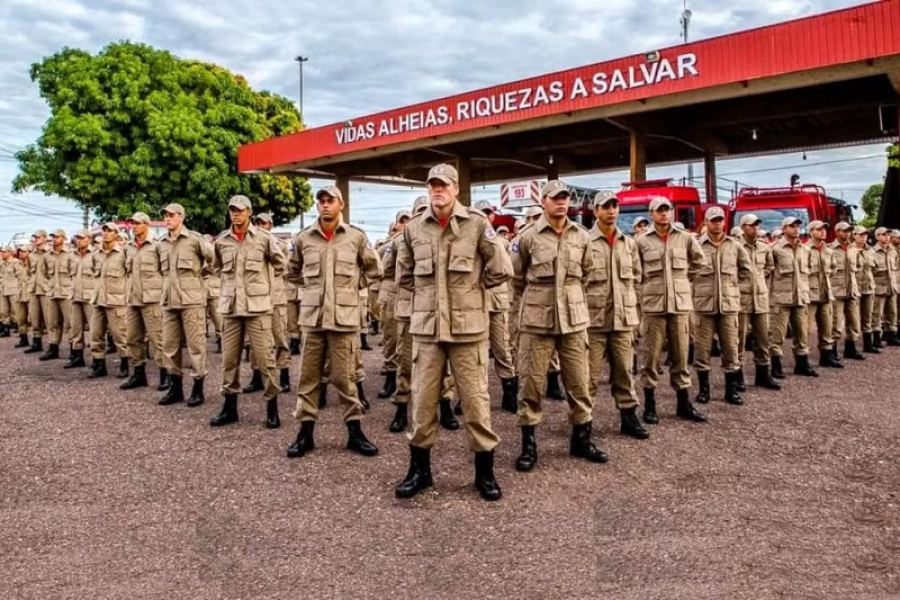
[310,307]
[538,308]
[467,312]
[424,260]
[422,320]
[578,312]
[543,263]
[346,308]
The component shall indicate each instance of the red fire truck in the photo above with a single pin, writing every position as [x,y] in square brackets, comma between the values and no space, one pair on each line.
[635,197]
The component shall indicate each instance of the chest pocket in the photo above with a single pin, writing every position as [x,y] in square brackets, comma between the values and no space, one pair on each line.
[185,264]
[600,270]
[345,263]
[653,263]
[679,259]
[312,263]
[424,257]
[543,263]
[256,277]
[575,257]
[228,262]
[462,258]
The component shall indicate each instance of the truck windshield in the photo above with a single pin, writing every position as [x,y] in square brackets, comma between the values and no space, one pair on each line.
[627,215]
[772,217]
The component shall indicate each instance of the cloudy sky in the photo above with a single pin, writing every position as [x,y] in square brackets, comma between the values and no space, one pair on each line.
[371,55]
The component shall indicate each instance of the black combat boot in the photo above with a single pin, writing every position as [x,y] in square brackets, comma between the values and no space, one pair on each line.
[739,382]
[401,419]
[690,353]
[256,383]
[373,327]
[685,410]
[98,368]
[357,440]
[716,350]
[777,367]
[123,368]
[305,441]
[4,330]
[138,379]
[457,408]
[390,385]
[732,395]
[52,353]
[749,344]
[164,381]
[877,341]
[850,351]
[704,393]
[364,342]
[529,456]
[218,343]
[581,445]
[295,347]
[110,343]
[447,419]
[650,417]
[228,414]
[868,344]
[37,345]
[829,359]
[510,402]
[23,341]
[272,420]
[802,368]
[14,327]
[764,378]
[284,380]
[554,392]
[197,397]
[323,394]
[175,393]
[485,482]
[361,393]
[892,339]
[418,477]
[76,359]
[631,426]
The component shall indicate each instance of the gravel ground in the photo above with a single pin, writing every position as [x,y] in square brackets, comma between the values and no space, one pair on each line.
[104,494]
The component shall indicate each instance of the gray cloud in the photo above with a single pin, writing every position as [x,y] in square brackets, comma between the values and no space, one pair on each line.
[367,56]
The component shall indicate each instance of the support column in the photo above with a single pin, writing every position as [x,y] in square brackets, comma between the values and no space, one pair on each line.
[463,167]
[638,157]
[343,184]
[709,169]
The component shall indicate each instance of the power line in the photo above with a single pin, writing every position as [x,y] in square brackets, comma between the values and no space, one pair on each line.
[804,165]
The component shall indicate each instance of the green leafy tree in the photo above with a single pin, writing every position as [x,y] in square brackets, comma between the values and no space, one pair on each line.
[135,128]
[871,203]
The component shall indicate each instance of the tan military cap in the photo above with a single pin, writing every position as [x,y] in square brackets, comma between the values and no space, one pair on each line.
[484,206]
[882,230]
[330,191]
[60,233]
[554,188]
[843,226]
[40,233]
[750,219]
[263,218]
[420,204]
[533,211]
[817,225]
[777,232]
[714,212]
[140,217]
[895,232]
[6,249]
[503,229]
[658,202]
[403,214]
[603,198]
[83,233]
[443,172]
[240,202]
[762,233]
[173,209]
[859,229]
[790,221]
[110,227]
[638,220]
[735,231]
[678,225]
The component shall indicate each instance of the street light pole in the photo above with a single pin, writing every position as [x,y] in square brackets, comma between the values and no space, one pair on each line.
[300,60]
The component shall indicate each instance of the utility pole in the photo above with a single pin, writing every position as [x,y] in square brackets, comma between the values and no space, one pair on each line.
[685,26]
[86,217]
[300,60]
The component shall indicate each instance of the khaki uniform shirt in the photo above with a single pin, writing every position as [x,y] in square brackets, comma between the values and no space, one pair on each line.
[145,282]
[498,296]
[11,278]
[37,270]
[329,273]
[866,276]
[111,276]
[403,302]
[847,264]
[83,281]
[551,271]
[279,283]
[387,294]
[248,270]
[610,288]
[667,268]
[884,271]
[820,268]
[182,262]
[895,254]
[59,267]
[790,276]
[716,287]
[755,289]
[291,289]
[25,281]
[448,270]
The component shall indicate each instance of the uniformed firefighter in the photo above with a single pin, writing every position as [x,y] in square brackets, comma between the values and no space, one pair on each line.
[892,308]
[885,273]
[866,281]
[387,297]
[612,306]
[448,257]
[789,298]
[498,312]
[820,295]
[59,265]
[183,258]
[81,309]
[250,262]
[38,307]
[754,316]
[847,266]
[213,285]
[10,277]
[717,305]
[109,303]
[552,262]
[328,260]
[669,260]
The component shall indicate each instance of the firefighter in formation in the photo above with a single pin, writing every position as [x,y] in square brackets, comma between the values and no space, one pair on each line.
[549,300]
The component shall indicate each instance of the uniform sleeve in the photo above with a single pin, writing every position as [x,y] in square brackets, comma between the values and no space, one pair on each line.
[405,263]
[295,263]
[521,261]
[696,257]
[369,261]
[636,268]
[587,263]
[745,267]
[217,259]
[276,256]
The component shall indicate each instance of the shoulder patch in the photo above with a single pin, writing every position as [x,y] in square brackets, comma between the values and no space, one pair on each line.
[490,233]
[514,247]
[389,248]
[369,245]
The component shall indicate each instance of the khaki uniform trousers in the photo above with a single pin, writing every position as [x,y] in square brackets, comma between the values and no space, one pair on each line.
[279,339]
[884,313]
[144,324]
[389,331]
[726,327]
[845,313]
[341,349]
[535,354]
[374,307]
[212,313]
[6,309]
[671,332]
[59,319]
[189,324]
[258,329]
[293,319]
[468,363]
[617,347]
[39,311]
[798,316]
[758,325]
[23,319]
[866,308]
[404,363]
[110,318]
[500,347]
[80,317]
[821,314]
